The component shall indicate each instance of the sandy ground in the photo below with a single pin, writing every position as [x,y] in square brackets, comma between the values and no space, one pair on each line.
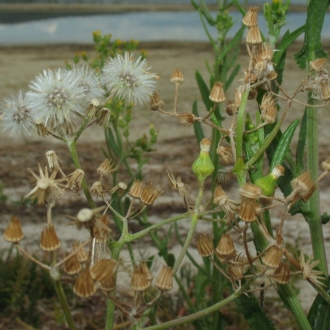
[176,148]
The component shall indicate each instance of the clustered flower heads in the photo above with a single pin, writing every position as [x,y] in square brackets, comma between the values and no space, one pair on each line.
[57,97]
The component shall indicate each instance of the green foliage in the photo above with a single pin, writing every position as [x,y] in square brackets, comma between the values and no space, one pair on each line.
[22,288]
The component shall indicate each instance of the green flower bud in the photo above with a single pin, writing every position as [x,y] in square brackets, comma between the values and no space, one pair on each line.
[203,166]
[268,182]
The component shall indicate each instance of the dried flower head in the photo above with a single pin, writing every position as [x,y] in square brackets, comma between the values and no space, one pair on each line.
[225,248]
[180,186]
[250,190]
[268,108]
[231,108]
[228,206]
[55,96]
[177,77]
[318,64]
[72,265]
[164,280]
[217,94]
[225,152]
[146,271]
[139,281]
[110,283]
[49,240]
[107,168]
[16,116]
[248,210]
[103,116]
[53,161]
[129,78]
[93,108]
[13,232]
[47,187]
[251,17]
[84,286]
[235,267]
[326,165]
[103,270]
[150,193]
[187,118]
[98,189]
[315,276]
[204,245]
[273,256]
[303,188]
[75,180]
[282,273]
[267,52]
[101,230]
[119,188]
[81,253]
[253,36]
[325,89]
[136,189]
[156,102]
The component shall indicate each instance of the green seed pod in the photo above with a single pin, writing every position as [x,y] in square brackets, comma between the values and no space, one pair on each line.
[203,166]
[268,182]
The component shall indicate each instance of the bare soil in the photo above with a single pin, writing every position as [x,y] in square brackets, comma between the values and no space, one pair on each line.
[176,148]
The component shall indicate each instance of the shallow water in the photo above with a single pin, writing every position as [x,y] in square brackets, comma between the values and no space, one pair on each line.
[143,26]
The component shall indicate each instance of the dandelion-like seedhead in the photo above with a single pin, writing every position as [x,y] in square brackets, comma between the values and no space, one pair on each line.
[16,116]
[55,96]
[130,79]
[87,79]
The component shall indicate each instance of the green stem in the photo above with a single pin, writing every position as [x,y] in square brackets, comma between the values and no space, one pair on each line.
[287,291]
[193,223]
[73,151]
[203,313]
[64,305]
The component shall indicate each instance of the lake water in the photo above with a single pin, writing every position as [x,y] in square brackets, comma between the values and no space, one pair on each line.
[143,26]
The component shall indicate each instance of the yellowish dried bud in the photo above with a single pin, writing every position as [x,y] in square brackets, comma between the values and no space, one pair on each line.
[164,280]
[177,77]
[72,265]
[217,94]
[228,206]
[97,189]
[81,253]
[273,256]
[187,118]
[107,168]
[103,269]
[235,272]
[231,108]
[136,189]
[75,180]
[253,36]
[139,281]
[326,165]
[272,75]
[103,116]
[250,190]
[267,52]
[250,78]
[41,129]
[53,160]
[150,193]
[303,186]
[93,107]
[84,286]
[248,210]
[251,17]
[325,90]
[268,108]
[282,273]
[146,271]
[318,64]
[13,232]
[120,189]
[156,102]
[204,245]
[225,153]
[110,283]
[49,240]
[225,247]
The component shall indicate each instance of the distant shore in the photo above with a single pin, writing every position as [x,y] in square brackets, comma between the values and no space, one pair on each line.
[107,8]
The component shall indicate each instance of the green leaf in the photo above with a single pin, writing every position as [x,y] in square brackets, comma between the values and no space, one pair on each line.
[197,126]
[201,282]
[319,313]
[232,76]
[254,315]
[204,90]
[283,145]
